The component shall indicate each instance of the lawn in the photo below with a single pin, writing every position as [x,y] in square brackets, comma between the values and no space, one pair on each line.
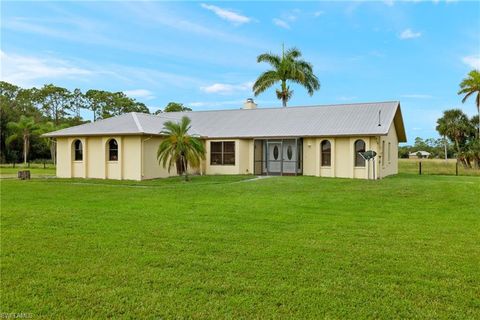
[230,247]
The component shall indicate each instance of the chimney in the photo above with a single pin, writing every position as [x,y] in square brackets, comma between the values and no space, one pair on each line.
[249,104]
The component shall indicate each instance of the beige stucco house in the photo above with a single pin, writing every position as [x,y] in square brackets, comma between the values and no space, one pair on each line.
[323,141]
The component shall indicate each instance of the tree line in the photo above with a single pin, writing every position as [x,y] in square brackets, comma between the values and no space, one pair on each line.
[27,113]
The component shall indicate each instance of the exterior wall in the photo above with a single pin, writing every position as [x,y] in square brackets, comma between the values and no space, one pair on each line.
[389,165]
[137,158]
[151,169]
[243,158]
[94,163]
[343,157]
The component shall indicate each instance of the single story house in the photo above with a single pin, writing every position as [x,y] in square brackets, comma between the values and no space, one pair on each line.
[419,155]
[323,141]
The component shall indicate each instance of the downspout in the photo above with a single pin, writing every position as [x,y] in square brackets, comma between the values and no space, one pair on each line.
[377,158]
[142,173]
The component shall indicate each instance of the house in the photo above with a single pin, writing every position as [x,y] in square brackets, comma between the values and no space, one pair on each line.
[419,155]
[321,141]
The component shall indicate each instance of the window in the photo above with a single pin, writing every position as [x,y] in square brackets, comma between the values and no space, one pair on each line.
[326,153]
[359,147]
[389,147]
[78,150]
[289,152]
[275,153]
[222,153]
[113,150]
[383,152]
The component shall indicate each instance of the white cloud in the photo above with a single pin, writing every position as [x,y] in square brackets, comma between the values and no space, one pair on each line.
[140,93]
[224,88]
[409,34]
[318,13]
[417,96]
[228,15]
[472,61]
[281,23]
[27,70]
[389,2]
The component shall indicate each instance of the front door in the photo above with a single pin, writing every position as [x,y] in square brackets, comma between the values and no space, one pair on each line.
[274,156]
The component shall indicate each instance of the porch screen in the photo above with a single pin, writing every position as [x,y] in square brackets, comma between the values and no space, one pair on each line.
[222,153]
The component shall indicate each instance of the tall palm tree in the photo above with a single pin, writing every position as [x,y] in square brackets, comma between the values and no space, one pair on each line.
[179,147]
[469,86]
[23,130]
[288,67]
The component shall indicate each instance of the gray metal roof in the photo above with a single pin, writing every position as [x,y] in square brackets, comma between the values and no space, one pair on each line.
[326,120]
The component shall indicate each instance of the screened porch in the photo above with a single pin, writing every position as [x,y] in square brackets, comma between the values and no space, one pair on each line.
[282,156]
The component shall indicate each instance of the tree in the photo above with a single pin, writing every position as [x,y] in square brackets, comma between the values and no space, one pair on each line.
[176,107]
[469,87]
[456,126]
[55,102]
[288,67]
[179,147]
[23,129]
[106,104]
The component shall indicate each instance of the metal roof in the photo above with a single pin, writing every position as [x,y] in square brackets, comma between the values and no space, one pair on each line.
[325,120]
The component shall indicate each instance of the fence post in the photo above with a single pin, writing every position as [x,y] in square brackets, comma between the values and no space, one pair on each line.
[456,168]
[420,167]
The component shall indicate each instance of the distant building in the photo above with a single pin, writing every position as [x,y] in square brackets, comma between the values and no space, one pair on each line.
[319,141]
[419,155]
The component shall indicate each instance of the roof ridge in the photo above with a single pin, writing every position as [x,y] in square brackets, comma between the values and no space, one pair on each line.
[137,122]
[292,107]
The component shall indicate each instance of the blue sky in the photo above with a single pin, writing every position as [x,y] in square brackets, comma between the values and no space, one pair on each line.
[203,54]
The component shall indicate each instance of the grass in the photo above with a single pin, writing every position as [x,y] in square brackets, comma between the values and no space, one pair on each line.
[37,170]
[221,247]
[435,166]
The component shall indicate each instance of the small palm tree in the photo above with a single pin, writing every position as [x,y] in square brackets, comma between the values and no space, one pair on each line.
[179,147]
[23,130]
[469,86]
[455,125]
[288,67]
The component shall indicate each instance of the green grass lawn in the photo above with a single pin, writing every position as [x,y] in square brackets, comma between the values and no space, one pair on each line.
[220,247]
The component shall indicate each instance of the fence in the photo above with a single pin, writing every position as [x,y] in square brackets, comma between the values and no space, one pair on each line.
[436,167]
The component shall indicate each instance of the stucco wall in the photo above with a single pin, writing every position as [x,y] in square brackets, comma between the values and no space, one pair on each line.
[243,158]
[343,157]
[94,163]
[151,168]
[390,164]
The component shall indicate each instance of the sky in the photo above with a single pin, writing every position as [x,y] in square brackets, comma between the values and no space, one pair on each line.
[203,54]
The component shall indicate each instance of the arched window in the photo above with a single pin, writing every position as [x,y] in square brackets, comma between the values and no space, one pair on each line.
[359,147]
[78,150]
[326,153]
[112,150]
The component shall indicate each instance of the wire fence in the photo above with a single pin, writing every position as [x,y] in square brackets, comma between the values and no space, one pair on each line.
[436,167]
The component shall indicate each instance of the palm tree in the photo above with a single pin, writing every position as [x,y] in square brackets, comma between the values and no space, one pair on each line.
[288,67]
[469,86]
[455,125]
[179,147]
[23,129]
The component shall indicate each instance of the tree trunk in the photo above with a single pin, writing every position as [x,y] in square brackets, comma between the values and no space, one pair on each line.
[185,167]
[25,147]
[284,93]
[53,151]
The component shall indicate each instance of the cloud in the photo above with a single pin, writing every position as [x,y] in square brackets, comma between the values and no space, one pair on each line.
[318,13]
[417,96]
[228,15]
[224,88]
[389,3]
[281,23]
[140,93]
[472,61]
[409,34]
[28,70]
